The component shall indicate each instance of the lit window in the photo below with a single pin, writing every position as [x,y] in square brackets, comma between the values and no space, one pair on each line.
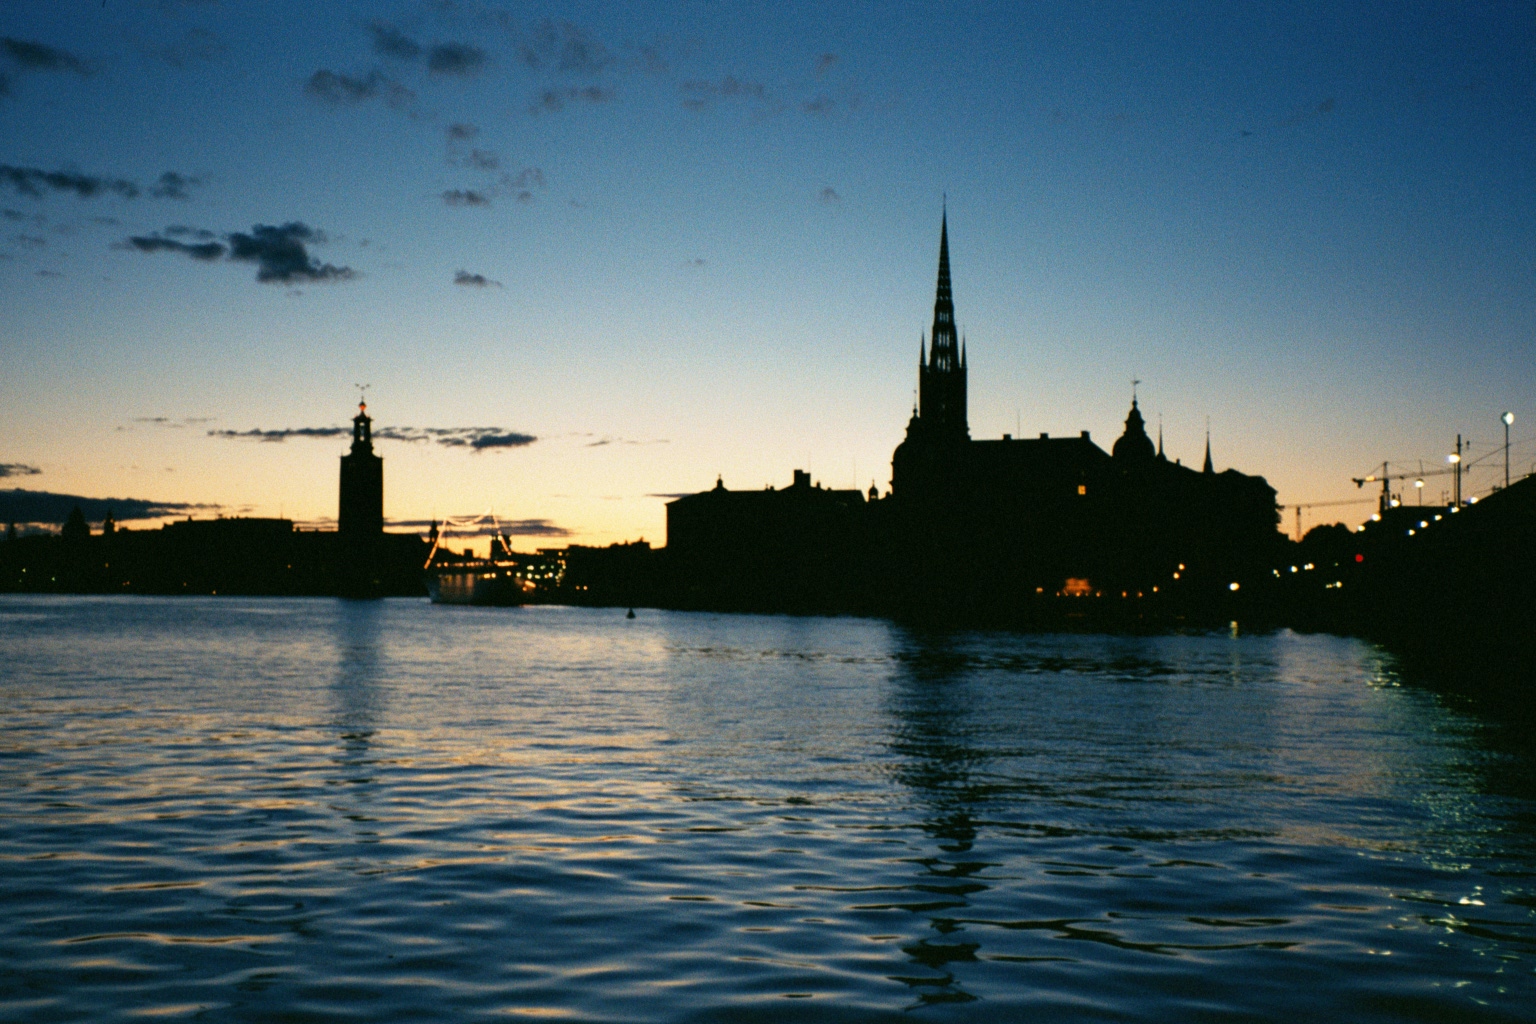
[1082,488]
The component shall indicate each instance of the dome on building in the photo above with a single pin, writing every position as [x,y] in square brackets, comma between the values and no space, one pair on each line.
[1134,443]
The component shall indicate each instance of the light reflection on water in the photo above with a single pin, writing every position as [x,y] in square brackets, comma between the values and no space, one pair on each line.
[313,810]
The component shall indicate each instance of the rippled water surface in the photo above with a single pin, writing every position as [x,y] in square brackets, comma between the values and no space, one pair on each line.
[231,809]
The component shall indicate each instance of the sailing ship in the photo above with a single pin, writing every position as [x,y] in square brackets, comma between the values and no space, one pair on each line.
[454,577]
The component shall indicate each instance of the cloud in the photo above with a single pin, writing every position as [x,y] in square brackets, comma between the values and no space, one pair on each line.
[278,251]
[829,196]
[32,181]
[18,469]
[30,241]
[554,100]
[156,243]
[22,506]
[166,421]
[391,42]
[602,441]
[338,88]
[672,496]
[466,197]
[484,160]
[696,262]
[171,185]
[819,105]
[528,177]
[824,63]
[455,59]
[41,57]
[280,256]
[281,435]
[533,528]
[48,273]
[476,439]
[565,47]
[461,132]
[507,527]
[469,280]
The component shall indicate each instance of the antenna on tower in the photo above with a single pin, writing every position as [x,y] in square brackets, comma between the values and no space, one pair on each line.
[362,395]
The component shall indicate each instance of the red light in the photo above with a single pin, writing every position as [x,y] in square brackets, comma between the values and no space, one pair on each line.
[1359,558]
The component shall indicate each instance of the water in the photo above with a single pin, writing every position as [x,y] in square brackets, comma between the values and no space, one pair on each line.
[229,810]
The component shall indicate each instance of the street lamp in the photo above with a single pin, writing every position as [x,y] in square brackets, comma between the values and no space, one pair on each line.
[1508,418]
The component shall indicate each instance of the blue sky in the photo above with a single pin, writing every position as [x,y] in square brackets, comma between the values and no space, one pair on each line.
[708,235]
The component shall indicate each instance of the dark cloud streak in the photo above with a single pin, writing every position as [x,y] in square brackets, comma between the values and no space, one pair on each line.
[469,280]
[456,59]
[41,57]
[476,439]
[391,42]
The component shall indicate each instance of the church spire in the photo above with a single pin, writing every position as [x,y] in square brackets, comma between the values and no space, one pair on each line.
[944,297]
[1208,468]
[941,390]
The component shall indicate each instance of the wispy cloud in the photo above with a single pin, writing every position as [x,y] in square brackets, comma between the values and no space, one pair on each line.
[389,41]
[280,435]
[476,439]
[31,56]
[552,101]
[157,243]
[338,88]
[602,441]
[35,182]
[829,196]
[466,197]
[469,280]
[485,528]
[456,59]
[279,251]
[8,469]
[697,93]
[564,47]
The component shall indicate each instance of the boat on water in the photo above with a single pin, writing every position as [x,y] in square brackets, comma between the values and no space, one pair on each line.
[462,578]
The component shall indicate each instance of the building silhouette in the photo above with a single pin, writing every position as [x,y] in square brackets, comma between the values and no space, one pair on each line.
[995,529]
[797,548]
[985,526]
[360,515]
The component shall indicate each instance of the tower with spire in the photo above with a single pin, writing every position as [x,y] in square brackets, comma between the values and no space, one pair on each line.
[941,390]
[360,516]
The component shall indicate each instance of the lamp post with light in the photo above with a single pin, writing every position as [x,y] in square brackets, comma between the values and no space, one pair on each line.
[1455,461]
[1508,418]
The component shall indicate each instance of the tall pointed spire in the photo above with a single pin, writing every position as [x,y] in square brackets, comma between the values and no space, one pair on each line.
[1160,438]
[1208,468]
[941,369]
[944,298]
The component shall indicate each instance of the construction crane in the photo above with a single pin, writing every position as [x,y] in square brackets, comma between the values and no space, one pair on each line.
[1322,504]
[1386,477]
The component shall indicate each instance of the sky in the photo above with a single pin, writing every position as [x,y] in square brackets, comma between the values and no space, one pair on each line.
[587,257]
